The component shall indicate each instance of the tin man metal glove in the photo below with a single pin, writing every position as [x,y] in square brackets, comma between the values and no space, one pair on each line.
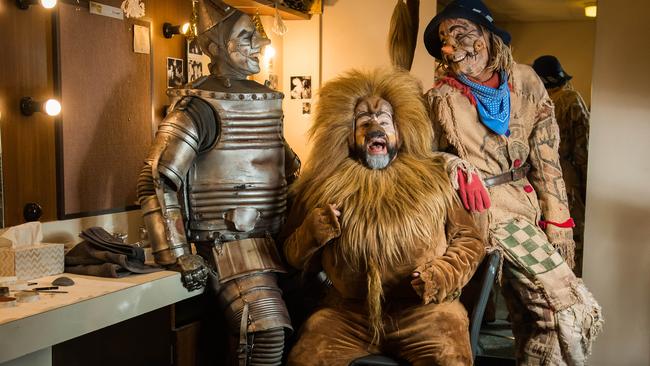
[194,271]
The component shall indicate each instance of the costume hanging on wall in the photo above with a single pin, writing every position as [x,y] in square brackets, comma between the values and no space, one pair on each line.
[555,318]
[221,146]
[370,222]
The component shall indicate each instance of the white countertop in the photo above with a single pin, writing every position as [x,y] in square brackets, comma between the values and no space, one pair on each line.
[91,303]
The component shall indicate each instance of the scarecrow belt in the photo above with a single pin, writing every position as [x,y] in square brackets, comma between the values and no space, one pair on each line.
[511,176]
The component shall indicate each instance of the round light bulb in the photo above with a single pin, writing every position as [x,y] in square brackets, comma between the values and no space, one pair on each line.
[269,52]
[591,10]
[185,28]
[48,4]
[52,107]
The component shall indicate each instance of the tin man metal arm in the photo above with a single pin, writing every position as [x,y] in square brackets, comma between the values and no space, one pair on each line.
[176,145]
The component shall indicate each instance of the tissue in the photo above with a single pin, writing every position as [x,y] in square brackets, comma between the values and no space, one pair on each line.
[25,256]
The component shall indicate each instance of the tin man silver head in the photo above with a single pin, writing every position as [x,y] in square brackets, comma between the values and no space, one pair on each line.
[230,39]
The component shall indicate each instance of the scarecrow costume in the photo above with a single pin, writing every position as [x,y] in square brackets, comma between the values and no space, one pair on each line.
[499,119]
[392,237]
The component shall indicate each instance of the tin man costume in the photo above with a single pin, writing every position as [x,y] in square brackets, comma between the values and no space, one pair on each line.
[376,212]
[497,116]
[221,148]
[572,117]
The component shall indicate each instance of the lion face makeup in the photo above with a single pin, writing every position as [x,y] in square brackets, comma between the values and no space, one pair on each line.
[375,136]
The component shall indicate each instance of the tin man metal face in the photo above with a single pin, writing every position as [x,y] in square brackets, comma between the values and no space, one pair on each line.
[244,46]
[375,137]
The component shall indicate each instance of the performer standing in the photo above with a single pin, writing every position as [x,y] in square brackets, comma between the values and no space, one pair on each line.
[496,115]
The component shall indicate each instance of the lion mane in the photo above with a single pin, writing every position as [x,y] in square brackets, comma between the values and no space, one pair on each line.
[387,214]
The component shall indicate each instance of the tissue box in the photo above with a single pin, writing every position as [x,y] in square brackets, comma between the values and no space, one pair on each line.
[34,261]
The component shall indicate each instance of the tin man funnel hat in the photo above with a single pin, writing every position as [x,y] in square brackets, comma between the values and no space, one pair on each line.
[211,13]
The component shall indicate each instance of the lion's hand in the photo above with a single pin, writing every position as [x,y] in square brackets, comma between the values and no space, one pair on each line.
[432,285]
[323,224]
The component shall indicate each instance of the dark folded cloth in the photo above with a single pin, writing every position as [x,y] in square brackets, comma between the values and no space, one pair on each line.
[101,254]
[103,240]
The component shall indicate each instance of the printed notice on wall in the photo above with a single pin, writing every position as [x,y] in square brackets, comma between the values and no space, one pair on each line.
[141,39]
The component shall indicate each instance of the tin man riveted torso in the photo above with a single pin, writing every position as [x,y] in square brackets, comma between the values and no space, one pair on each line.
[221,150]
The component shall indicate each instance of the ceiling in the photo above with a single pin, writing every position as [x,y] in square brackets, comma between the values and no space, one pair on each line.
[534,10]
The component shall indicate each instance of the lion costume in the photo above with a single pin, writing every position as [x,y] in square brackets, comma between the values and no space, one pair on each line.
[394,221]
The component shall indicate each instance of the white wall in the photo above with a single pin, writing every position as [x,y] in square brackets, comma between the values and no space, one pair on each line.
[355,35]
[617,238]
[301,57]
[571,42]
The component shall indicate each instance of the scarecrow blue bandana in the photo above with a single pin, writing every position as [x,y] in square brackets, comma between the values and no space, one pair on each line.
[493,105]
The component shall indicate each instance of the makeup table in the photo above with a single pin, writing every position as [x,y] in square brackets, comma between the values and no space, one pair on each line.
[29,330]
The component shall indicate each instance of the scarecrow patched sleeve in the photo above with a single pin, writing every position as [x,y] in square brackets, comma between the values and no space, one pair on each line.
[447,152]
[546,177]
[444,276]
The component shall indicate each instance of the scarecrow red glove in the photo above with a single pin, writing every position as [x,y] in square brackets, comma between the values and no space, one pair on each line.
[473,194]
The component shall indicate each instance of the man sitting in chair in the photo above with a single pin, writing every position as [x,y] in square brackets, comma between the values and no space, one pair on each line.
[376,211]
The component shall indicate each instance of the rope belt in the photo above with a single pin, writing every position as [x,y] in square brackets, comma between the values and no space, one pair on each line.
[510,176]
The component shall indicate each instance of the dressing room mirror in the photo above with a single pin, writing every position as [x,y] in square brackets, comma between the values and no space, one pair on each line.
[47,48]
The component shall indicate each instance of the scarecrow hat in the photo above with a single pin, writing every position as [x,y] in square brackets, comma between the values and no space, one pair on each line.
[472,10]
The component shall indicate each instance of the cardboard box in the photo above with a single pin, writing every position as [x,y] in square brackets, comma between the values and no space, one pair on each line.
[34,261]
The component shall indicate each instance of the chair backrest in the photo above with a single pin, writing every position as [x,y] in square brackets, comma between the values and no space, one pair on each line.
[375,360]
[487,281]
[486,278]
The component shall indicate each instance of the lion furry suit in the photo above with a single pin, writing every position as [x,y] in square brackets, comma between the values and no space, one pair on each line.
[394,221]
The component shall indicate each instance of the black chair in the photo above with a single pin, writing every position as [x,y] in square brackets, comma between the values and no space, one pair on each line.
[486,278]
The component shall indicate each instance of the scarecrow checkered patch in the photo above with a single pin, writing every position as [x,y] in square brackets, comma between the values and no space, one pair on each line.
[528,247]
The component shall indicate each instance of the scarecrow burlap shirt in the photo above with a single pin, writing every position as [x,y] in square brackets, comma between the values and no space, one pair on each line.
[517,206]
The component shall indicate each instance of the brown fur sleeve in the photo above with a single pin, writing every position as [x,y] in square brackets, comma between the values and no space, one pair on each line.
[445,276]
[292,237]
[305,234]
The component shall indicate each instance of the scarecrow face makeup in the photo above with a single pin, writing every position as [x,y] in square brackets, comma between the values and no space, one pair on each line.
[375,136]
[464,48]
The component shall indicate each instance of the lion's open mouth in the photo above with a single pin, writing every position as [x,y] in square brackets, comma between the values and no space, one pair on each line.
[377,145]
